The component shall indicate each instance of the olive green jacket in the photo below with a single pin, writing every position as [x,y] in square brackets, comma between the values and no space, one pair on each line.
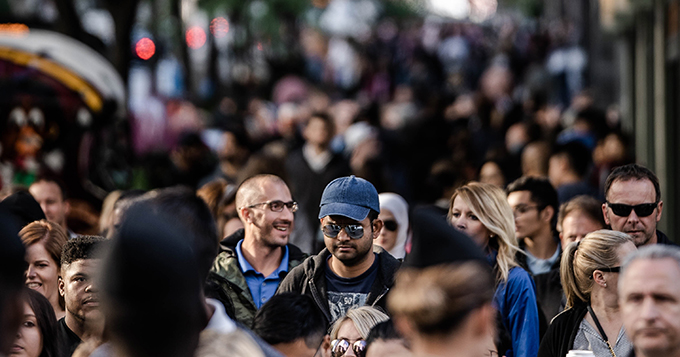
[226,272]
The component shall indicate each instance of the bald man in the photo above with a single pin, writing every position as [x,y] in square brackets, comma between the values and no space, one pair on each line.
[255,259]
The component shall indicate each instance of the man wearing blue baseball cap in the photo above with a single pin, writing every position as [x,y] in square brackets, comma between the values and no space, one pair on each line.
[350,271]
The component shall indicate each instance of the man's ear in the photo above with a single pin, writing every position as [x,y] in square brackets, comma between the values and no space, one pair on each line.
[244,215]
[659,210]
[377,227]
[604,214]
[60,286]
[548,213]
[67,207]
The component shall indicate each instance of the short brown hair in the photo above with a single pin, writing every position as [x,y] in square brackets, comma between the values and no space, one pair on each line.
[590,206]
[50,234]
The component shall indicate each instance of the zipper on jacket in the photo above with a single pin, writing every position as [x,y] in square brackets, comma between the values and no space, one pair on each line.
[313,290]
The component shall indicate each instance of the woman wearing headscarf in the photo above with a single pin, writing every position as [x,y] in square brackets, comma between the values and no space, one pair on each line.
[395,232]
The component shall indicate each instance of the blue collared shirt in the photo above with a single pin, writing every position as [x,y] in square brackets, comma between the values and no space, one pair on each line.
[261,288]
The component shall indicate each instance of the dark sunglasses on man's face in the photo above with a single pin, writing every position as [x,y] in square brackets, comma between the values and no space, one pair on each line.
[339,347]
[391,225]
[354,231]
[641,210]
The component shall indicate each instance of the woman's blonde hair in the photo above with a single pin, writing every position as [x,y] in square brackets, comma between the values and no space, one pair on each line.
[437,299]
[489,203]
[363,318]
[596,250]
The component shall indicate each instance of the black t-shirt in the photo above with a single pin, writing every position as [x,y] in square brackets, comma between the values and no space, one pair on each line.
[345,293]
[68,340]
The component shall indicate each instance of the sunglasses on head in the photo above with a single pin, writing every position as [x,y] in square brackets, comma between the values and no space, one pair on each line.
[354,231]
[339,347]
[391,225]
[641,210]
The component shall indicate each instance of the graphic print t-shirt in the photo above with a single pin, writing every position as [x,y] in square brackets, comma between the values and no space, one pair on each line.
[345,293]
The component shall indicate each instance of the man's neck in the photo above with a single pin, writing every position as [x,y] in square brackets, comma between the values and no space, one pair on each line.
[75,324]
[317,149]
[264,259]
[653,240]
[541,246]
[344,271]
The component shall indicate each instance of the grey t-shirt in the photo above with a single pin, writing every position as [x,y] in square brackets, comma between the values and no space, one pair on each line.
[345,293]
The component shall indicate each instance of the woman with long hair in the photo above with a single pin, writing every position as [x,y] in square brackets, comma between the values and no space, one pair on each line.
[37,335]
[592,319]
[44,240]
[482,212]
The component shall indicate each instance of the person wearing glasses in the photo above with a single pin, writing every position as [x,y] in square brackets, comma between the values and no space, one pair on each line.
[592,319]
[395,232]
[256,258]
[351,271]
[534,204]
[350,332]
[633,204]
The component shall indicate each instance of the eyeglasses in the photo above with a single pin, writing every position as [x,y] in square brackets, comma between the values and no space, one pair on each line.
[354,231]
[522,209]
[642,210]
[391,225]
[277,206]
[339,347]
[608,270]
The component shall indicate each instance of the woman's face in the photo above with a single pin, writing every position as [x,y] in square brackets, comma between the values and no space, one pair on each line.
[621,252]
[349,332]
[387,237]
[43,273]
[29,339]
[467,222]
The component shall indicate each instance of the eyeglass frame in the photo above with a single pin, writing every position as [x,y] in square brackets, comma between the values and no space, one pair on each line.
[291,205]
[337,341]
[630,208]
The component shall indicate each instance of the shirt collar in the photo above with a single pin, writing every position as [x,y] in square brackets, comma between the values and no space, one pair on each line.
[246,267]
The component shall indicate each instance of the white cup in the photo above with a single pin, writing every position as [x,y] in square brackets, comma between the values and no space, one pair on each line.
[580,353]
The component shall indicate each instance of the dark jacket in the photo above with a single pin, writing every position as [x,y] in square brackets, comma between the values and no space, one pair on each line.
[661,238]
[548,286]
[562,332]
[310,279]
[226,273]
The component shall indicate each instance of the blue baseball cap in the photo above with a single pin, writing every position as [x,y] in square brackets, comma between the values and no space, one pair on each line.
[350,197]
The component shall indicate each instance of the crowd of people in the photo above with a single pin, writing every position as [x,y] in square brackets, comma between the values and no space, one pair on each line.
[505,272]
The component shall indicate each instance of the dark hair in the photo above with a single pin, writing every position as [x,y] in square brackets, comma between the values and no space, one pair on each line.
[542,193]
[589,205]
[383,331]
[287,317]
[373,215]
[81,247]
[578,156]
[47,322]
[182,205]
[632,172]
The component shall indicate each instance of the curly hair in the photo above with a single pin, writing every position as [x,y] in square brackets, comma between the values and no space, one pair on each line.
[81,247]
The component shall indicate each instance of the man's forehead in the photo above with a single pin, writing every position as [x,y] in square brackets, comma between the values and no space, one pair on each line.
[80,266]
[623,186]
[652,275]
[520,197]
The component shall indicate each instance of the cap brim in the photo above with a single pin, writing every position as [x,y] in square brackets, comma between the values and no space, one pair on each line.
[357,213]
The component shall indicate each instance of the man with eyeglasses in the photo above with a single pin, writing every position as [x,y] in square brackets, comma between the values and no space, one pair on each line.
[255,259]
[633,204]
[350,271]
[534,203]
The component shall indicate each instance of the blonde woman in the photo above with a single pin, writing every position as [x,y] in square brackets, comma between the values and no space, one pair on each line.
[349,333]
[592,320]
[482,212]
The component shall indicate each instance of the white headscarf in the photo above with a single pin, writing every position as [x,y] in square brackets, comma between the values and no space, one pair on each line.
[399,208]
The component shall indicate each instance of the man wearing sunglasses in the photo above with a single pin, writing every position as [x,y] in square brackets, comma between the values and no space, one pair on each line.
[350,271]
[256,258]
[633,204]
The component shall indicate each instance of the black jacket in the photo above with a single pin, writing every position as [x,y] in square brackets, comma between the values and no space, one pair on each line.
[548,286]
[309,278]
[661,238]
[562,332]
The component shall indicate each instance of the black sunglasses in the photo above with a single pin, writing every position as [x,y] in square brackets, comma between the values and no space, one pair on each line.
[339,347]
[609,270]
[354,231]
[391,225]
[642,210]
